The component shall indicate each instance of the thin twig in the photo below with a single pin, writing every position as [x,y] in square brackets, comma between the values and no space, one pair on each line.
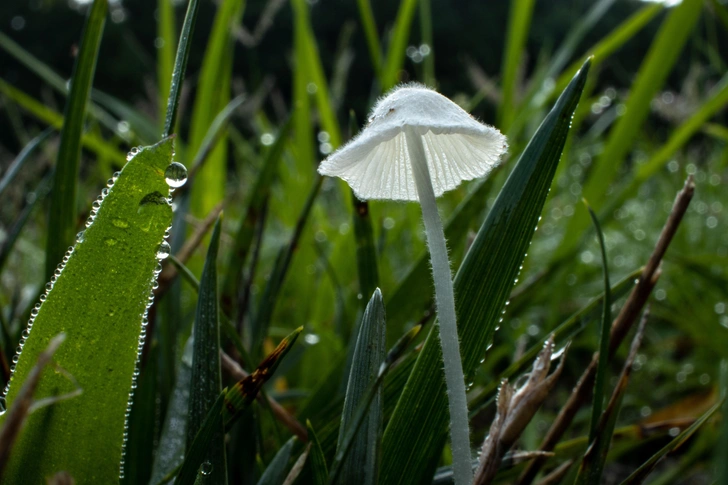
[620,327]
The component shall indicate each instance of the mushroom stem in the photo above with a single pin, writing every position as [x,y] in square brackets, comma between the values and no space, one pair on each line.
[445,299]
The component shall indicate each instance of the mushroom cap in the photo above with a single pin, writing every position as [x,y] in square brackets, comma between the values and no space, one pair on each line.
[376,162]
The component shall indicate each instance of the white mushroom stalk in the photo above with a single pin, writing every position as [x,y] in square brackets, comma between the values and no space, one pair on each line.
[419,144]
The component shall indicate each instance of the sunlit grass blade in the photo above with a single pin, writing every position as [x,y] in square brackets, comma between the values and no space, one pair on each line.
[99,300]
[279,272]
[361,464]
[316,459]
[180,65]
[397,48]
[600,383]
[165,58]
[660,59]
[592,465]
[372,36]
[22,158]
[52,118]
[171,449]
[482,286]
[62,218]
[205,383]
[428,63]
[246,230]
[519,20]
[639,475]
[275,472]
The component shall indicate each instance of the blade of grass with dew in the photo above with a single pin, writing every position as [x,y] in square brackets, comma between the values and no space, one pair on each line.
[205,383]
[482,285]
[639,475]
[275,472]
[317,460]
[99,300]
[246,230]
[660,59]
[366,15]
[19,162]
[600,383]
[52,118]
[213,93]
[592,466]
[189,471]
[62,218]
[398,44]
[519,20]
[171,449]
[362,462]
[180,66]
[165,56]
[278,274]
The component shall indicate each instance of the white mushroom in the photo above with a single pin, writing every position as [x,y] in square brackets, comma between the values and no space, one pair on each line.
[419,144]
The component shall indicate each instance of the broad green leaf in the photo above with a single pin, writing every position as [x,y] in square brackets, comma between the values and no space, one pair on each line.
[398,44]
[361,464]
[62,222]
[99,300]
[205,383]
[482,286]
[180,61]
[519,21]
[316,459]
[213,94]
[660,59]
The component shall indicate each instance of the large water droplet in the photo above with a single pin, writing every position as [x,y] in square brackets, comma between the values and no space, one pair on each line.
[206,468]
[175,175]
[79,237]
[163,250]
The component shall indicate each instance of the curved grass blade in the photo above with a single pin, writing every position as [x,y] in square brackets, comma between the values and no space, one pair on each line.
[363,460]
[275,472]
[99,300]
[205,383]
[180,66]
[23,157]
[600,383]
[639,475]
[398,45]
[660,59]
[482,286]
[62,219]
[317,460]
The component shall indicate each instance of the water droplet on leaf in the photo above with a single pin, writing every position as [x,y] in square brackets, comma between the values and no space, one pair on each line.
[175,175]
[163,250]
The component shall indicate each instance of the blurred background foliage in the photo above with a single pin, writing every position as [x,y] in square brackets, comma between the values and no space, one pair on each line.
[462,49]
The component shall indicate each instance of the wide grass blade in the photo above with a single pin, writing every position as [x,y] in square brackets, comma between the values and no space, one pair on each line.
[362,462]
[180,62]
[639,475]
[519,21]
[416,432]
[99,300]
[62,218]
[205,384]
[660,59]
[600,383]
[398,44]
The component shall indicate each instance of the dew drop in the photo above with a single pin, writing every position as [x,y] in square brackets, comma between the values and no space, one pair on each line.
[115,176]
[175,175]
[3,406]
[206,468]
[164,250]
[79,237]
[104,192]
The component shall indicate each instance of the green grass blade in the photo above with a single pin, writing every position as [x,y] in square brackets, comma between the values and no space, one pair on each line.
[428,63]
[366,252]
[213,94]
[171,449]
[275,472]
[519,21]
[660,59]
[22,158]
[205,384]
[639,475]
[246,231]
[316,459]
[99,300]
[600,383]
[361,464]
[62,219]
[194,459]
[482,286]
[398,44]
[370,32]
[165,58]
[180,66]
